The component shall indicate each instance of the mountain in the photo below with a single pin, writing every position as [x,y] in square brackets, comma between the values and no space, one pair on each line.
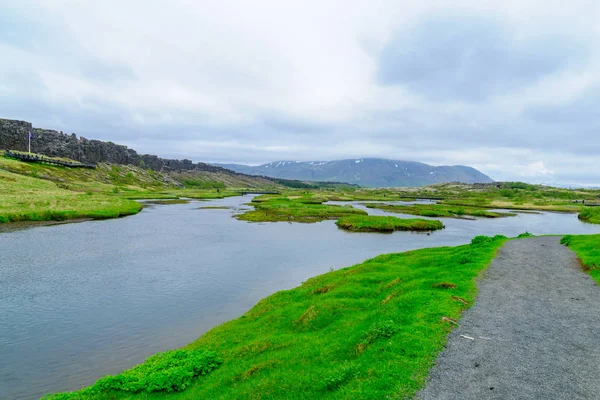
[368,172]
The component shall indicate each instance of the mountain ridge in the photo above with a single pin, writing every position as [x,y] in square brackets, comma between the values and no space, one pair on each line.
[368,172]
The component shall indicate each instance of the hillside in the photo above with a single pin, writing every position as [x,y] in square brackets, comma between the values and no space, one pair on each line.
[47,142]
[368,172]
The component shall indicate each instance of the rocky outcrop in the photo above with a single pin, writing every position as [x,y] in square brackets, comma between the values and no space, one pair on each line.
[14,136]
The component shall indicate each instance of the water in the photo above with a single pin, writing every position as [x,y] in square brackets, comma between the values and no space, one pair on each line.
[80,301]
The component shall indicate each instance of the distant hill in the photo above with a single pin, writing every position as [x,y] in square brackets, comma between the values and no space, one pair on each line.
[368,172]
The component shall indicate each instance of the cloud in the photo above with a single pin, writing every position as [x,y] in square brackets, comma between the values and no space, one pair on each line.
[470,57]
[500,86]
[536,169]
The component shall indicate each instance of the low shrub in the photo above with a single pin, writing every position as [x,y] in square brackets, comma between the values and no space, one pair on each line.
[486,239]
[525,235]
[481,239]
[566,240]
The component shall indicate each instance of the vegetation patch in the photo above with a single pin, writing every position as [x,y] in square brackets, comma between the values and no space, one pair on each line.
[302,209]
[482,239]
[24,198]
[171,371]
[370,223]
[366,339]
[440,210]
[168,201]
[587,248]
[525,235]
[590,214]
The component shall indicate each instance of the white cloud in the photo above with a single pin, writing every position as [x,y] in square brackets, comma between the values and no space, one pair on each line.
[262,80]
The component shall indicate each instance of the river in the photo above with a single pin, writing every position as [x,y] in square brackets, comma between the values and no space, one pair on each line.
[79,301]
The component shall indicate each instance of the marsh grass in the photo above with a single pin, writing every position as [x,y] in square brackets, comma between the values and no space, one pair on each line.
[373,334]
[370,223]
[301,209]
[440,210]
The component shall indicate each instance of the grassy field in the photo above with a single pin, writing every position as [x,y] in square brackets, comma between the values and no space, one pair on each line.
[41,192]
[476,199]
[25,198]
[370,223]
[587,248]
[371,331]
[440,210]
[295,209]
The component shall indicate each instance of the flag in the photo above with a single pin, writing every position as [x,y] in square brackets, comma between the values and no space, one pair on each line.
[30,135]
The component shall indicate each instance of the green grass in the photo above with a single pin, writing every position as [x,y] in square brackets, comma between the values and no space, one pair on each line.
[41,192]
[168,201]
[369,223]
[440,210]
[590,214]
[302,209]
[587,248]
[371,331]
[171,371]
[24,198]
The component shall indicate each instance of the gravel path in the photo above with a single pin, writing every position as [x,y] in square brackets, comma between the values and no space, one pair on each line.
[535,330]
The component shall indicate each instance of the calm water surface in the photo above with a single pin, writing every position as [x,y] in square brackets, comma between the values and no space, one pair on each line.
[84,300]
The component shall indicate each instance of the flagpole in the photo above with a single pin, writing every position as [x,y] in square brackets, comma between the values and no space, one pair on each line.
[29,142]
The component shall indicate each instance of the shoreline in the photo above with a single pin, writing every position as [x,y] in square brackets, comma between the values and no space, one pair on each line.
[7,227]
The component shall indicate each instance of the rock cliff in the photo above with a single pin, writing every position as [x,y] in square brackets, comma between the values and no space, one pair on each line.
[14,136]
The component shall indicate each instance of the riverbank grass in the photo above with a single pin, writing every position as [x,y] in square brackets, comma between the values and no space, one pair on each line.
[370,223]
[440,210]
[25,198]
[301,209]
[371,331]
[591,215]
[587,248]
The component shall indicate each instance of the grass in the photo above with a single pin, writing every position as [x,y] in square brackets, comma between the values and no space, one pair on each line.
[171,371]
[41,192]
[440,210]
[591,215]
[371,331]
[168,201]
[587,248]
[301,209]
[369,223]
[26,198]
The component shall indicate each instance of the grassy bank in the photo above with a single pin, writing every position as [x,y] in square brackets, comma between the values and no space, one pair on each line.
[440,210]
[591,215]
[295,209]
[369,223]
[24,198]
[42,192]
[370,331]
[587,248]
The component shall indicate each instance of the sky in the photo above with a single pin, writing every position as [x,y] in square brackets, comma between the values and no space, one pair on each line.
[511,88]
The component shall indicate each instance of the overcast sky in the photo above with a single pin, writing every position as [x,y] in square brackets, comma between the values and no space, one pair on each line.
[509,87]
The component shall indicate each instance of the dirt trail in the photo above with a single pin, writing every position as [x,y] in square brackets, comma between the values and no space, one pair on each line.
[533,333]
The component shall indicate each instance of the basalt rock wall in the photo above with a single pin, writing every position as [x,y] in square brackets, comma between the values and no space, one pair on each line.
[14,136]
